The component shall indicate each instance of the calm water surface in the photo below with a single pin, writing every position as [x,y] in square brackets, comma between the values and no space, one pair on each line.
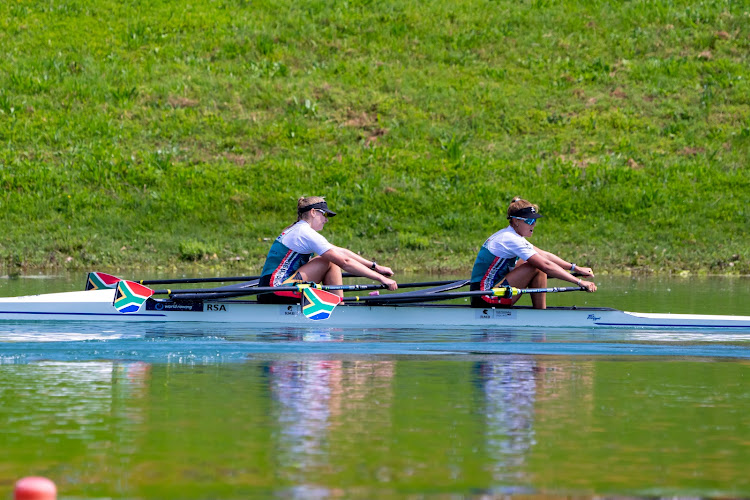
[215,411]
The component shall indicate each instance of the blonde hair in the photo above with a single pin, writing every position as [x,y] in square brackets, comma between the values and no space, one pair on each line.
[518,203]
[302,214]
[303,202]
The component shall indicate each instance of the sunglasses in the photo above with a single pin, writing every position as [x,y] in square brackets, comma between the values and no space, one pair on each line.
[530,222]
[325,214]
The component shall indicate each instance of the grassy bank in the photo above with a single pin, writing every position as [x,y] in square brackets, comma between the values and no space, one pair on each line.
[160,133]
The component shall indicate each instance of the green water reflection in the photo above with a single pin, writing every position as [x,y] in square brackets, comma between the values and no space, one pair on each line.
[327,426]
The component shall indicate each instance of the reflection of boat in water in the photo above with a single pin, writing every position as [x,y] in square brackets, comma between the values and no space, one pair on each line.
[96,305]
[315,401]
[509,390]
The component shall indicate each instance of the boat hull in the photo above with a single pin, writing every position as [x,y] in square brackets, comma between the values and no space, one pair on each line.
[96,305]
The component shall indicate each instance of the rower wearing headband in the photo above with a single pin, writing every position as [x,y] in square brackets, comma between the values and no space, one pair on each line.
[508,259]
[291,260]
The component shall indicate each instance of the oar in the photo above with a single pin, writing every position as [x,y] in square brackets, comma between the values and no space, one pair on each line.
[319,304]
[97,280]
[505,292]
[130,296]
[317,301]
[212,293]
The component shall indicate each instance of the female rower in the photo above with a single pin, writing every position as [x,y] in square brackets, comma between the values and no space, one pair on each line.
[508,259]
[289,260]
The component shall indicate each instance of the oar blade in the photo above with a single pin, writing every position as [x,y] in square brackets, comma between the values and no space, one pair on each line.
[130,296]
[97,281]
[318,304]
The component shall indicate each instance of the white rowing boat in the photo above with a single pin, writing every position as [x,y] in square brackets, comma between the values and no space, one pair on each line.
[97,305]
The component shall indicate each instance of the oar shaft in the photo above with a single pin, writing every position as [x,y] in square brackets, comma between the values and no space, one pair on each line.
[203,293]
[355,288]
[248,291]
[506,292]
[219,279]
[553,289]
[198,280]
[221,295]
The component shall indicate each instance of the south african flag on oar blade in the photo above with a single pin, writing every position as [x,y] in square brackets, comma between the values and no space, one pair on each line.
[97,281]
[318,304]
[130,296]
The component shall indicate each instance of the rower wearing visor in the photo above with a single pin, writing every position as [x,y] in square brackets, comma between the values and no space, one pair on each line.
[507,258]
[290,259]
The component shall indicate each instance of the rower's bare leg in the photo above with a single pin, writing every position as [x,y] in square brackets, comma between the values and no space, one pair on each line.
[539,300]
[333,277]
[314,270]
[321,271]
[524,275]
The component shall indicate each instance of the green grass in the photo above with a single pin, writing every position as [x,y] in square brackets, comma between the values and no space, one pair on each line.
[162,133]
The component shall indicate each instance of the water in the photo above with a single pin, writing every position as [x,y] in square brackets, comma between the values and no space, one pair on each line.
[219,411]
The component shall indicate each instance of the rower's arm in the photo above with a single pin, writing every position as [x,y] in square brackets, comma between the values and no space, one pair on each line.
[554,270]
[564,264]
[370,264]
[353,263]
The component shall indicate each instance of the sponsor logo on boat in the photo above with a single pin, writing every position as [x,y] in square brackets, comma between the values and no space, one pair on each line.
[484,314]
[290,310]
[153,305]
[493,313]
[593,318]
